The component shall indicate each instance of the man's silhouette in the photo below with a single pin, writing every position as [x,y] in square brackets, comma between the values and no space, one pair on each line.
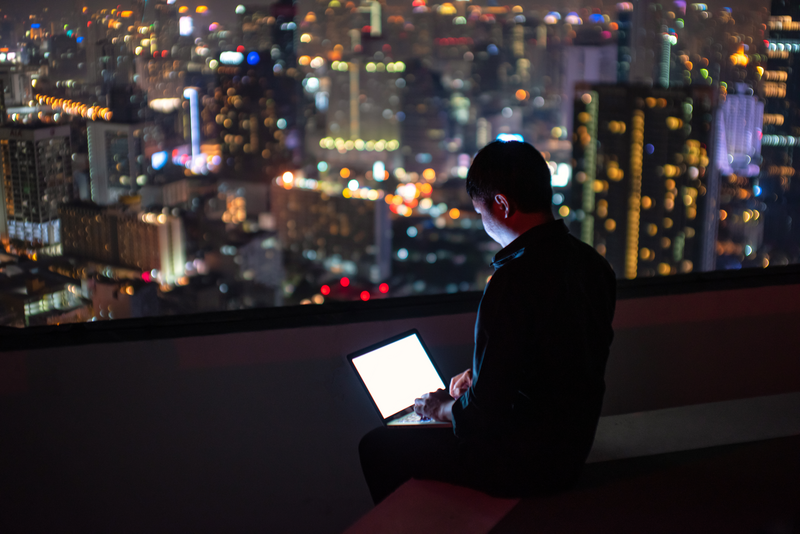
[524,416]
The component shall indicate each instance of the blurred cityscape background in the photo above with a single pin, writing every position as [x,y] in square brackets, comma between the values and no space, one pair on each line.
[166,158]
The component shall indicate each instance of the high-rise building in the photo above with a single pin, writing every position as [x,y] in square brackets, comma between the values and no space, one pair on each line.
[255,27]
[350,236]
[153,243]
[36,178]
[777,185]
[644,192]
[115,158]
[255,103]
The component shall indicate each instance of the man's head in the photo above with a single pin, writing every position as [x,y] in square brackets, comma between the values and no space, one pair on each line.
[509,183]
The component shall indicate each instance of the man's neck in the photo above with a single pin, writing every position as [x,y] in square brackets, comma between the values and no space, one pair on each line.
[520,223]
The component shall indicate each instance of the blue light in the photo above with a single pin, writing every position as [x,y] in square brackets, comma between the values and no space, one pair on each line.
[492,49]
[36,25]
[253,58]
[80,39]
[757,190]
[506,137]
[649,148]
[158,160]
[597,18]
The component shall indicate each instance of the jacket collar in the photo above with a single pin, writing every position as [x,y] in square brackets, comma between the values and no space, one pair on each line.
[531,238]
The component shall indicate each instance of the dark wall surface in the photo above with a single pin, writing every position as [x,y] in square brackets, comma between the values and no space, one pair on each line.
[258,430]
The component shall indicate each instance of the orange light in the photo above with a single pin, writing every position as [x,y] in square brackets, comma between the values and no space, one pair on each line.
[126,14]
[455,213]
[201,9]
[739,58]
[425,189]
[521,94]
[325,290]
[345,173]
[183,9]
[429,174]
[365,296]
[345,281]
[383,288]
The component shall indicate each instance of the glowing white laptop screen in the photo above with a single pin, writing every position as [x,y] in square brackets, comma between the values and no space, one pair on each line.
[397,373]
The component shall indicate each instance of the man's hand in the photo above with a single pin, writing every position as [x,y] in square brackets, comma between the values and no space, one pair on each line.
[460,383]
[437,405]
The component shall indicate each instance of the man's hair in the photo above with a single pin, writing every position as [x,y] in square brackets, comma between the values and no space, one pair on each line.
[514,169]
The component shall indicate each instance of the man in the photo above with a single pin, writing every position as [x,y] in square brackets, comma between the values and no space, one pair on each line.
[524,416]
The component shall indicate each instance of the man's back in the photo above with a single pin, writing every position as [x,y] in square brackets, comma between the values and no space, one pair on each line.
[541,343]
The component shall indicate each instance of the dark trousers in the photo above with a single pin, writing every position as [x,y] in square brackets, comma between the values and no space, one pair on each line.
[392,456]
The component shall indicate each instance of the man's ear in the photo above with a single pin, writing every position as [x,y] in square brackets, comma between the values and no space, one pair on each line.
[503,204]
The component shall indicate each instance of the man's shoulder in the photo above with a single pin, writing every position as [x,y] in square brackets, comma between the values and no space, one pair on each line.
[544,269]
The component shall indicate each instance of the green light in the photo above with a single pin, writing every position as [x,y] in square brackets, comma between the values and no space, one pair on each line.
[704,73]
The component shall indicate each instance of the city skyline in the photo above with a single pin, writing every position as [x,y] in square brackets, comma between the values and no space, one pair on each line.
[303,153]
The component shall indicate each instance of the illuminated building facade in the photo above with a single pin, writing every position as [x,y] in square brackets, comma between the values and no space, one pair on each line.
[347,236]
[776,192]
[255,26]
[644,192]
[153,243]
[255,105]
[117,164]
[37,176]
[16,89]
[37,298]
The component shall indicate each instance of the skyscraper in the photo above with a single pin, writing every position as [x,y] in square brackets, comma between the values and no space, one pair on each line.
[777,185]
[37,176]
[645,192]
[153,243]
[115,159]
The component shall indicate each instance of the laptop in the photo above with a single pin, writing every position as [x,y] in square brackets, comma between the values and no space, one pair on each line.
[394,372]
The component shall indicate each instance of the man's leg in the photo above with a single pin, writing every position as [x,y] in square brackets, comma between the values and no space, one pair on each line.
[391,456]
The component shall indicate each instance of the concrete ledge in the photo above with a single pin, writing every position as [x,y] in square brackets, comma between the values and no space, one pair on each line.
[427,506]
[696,427]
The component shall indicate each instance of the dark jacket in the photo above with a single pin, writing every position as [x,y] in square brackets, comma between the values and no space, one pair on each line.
[542,340]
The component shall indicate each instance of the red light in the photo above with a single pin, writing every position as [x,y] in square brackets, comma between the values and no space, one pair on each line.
[240,48]
[345,281]
[365,296]
[383,288]
[88,23]
[366,29]
[146,277]
[164,53]
[155,54]
[325,290]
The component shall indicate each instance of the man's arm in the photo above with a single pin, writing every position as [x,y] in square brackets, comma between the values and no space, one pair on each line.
[503,339]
